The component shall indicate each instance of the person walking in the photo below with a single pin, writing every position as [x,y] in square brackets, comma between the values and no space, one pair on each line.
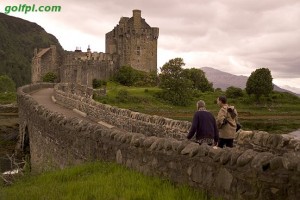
[204,125]
[226,122]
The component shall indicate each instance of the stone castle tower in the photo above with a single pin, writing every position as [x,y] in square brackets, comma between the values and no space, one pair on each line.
[135,42]
[131,43]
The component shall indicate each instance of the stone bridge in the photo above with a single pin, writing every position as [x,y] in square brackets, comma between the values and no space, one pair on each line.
[60,125]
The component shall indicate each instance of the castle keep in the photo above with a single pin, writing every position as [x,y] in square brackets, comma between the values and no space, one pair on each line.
[132,42]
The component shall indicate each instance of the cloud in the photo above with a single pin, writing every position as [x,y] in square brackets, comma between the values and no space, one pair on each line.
[235,36]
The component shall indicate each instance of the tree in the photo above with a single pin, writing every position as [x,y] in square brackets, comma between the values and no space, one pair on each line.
[176,87]
[200,82]
[126,76]
[7,84]
[49,77]
[234,92]
[260,83]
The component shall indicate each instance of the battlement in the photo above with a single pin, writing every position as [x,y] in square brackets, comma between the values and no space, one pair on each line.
[79,57]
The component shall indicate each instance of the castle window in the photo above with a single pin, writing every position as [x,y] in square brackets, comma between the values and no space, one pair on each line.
[138,51]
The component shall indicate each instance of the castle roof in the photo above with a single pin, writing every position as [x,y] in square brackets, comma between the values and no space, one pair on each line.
[42,52]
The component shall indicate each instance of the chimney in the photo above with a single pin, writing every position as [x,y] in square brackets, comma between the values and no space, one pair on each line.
[137,19]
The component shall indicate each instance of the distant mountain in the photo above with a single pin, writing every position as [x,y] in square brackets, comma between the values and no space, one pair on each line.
[224,80]
[18,38]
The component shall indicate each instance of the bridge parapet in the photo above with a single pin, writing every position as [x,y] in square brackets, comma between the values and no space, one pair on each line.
[152,125]
[232,173]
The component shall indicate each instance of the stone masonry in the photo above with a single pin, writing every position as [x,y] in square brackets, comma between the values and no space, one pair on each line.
[261,166]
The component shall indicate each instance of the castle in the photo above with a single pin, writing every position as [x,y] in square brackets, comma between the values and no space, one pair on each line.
[131,43]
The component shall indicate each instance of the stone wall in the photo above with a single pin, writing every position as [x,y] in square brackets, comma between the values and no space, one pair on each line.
[231,173]
[125,119]
[8,108]
[73,96]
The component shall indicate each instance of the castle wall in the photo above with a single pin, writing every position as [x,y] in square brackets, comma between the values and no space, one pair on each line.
[231,173]
[44,61]
[83,67]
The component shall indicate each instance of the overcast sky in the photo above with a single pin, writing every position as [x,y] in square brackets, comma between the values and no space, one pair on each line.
[236,36]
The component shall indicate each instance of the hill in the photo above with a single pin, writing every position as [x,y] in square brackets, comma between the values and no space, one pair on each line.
[18,38]
[224,80]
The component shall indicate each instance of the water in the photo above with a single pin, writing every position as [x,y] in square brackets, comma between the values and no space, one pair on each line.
[272,126]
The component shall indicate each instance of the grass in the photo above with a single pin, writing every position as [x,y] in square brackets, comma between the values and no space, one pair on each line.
[96,180]
[279,113]
[7,98]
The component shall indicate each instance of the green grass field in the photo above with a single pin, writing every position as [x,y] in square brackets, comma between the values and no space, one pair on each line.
[96,181]
[280,113]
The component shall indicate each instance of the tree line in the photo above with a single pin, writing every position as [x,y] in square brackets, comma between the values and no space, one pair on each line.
[179,85]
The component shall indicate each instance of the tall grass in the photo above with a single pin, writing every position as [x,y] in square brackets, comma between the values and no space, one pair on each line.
[96,181]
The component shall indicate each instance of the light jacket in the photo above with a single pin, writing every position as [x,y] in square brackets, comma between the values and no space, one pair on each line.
[227,130]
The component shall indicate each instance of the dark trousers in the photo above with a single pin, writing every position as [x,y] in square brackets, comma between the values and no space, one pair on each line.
[225,142]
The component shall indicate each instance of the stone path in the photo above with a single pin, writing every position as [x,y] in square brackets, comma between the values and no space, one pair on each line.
[44,98]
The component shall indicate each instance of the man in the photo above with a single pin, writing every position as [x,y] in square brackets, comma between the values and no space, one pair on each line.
[226,122]
[204,124]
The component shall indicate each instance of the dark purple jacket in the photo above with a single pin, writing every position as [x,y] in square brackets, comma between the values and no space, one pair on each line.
[204,124]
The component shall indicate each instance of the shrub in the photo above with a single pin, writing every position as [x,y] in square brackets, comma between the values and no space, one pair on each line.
[7,84]
[122,96]
[97,83]
[234,92]
[49,77]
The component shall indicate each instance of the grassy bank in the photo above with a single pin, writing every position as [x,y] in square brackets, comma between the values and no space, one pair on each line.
[279,113]
[96,181]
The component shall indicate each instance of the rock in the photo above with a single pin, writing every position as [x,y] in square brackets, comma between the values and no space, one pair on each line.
[258,137]
[274,140]
[234,156]
[290,160]
[149,141]
[244,137]
[119,157]
[190,148]
[224,180]
[276,163]
[261,162]
[225,157]
[215,153]
[246,157]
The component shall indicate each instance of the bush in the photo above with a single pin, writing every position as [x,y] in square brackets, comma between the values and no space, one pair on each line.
[97,83]
[8,97]
[234,92]
[122,96]
[132,77]
[49,77]
[7,84]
